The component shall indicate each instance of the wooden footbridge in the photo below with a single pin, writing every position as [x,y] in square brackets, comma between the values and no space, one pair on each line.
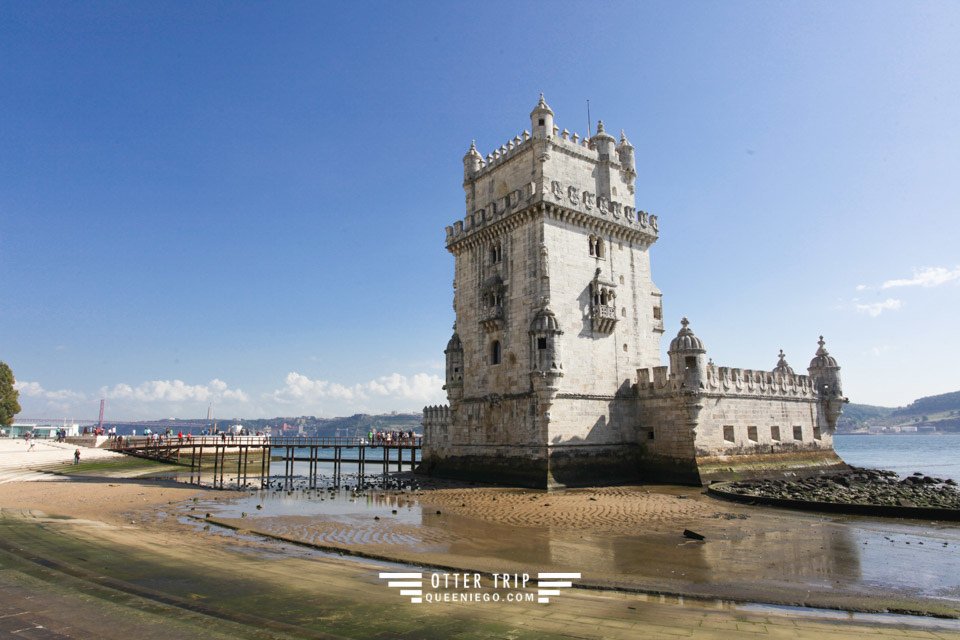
[252,456]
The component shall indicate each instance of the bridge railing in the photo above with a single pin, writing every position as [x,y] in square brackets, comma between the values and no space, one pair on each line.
[148,442]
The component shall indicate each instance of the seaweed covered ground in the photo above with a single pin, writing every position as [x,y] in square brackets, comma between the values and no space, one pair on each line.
[859,486]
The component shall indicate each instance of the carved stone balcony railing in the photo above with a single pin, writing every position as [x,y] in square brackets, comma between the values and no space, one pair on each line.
[491,318]
[604,317]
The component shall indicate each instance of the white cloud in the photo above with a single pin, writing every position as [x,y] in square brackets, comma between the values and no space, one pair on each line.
[925,277]
[174,391]
[383,393]
[35,390]
[876,308]
[36,401]
[862,287]
[297,395]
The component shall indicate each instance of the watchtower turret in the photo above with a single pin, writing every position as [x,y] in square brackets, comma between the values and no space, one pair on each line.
[688,357]
[825,373]
[541,120]
[625,153]
[472,162]
[603,142]
[782,367]
[454,381]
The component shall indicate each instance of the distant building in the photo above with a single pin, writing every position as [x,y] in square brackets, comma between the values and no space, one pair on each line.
[553,372]
[20,429]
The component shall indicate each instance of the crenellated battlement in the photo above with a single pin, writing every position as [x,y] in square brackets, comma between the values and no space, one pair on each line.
[727,381]
[501,154]
[438,415]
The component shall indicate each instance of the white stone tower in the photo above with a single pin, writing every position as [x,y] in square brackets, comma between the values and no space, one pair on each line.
[555,311]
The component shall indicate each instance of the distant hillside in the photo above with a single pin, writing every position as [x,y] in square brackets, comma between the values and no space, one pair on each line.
[931,404]
[856,414]
[941,412]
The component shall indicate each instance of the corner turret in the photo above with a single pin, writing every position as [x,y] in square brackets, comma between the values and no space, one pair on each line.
[825,374]
[472,162]
[782,367]
[544,338]
[454,381]
[603,142]
[541,120]
[625,152]
[688,357]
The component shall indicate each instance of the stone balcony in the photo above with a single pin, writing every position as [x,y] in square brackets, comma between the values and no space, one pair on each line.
[491,318]
[604,317]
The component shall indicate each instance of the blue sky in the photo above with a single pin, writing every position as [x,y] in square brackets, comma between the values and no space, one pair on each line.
[243,203]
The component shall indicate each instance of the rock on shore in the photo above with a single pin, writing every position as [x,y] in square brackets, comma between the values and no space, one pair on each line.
[859,486]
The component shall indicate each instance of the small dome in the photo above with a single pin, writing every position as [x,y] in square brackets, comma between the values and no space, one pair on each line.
[454,344]
[601,132]
[624,143]
[542,107]
[545,322]
[472,152]
[782,367]
[686,340]
[823,359]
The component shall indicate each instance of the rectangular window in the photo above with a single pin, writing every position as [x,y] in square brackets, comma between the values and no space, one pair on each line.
[752,433]
[816,433]
[798,433]
[728,433]
[650,435]
[541,343]
[657,313]
[775,433]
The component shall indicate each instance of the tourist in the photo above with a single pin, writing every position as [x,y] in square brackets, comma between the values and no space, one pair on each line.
[76,457]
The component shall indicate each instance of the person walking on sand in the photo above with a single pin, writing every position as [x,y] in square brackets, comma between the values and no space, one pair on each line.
[76,457]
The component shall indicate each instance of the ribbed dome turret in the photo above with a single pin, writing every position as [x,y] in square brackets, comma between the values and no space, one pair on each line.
[823,359]
[782,367]
[545,322]
[541,120]
[454,344]
[542,107]
[601,132]
[472,152]
[686,341]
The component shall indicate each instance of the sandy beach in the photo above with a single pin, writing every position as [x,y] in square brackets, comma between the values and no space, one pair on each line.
[102,556]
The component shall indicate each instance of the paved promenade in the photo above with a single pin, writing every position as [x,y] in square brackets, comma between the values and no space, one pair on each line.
[18,462]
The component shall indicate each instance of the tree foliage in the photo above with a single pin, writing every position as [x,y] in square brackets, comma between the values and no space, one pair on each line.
[9,406]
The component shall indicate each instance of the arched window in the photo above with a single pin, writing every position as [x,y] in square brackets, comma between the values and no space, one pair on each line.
[496,253]
[495,352]
[596,247]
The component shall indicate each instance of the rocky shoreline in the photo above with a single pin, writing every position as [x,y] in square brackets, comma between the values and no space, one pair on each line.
[858,486]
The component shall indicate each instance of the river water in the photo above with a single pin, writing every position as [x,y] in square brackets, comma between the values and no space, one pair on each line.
[934,455]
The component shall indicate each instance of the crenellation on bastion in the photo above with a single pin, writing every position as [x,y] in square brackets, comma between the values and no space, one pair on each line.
[553,374]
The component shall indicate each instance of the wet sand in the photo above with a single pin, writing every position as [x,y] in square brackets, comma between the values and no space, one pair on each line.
[631,538]
[98,555]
